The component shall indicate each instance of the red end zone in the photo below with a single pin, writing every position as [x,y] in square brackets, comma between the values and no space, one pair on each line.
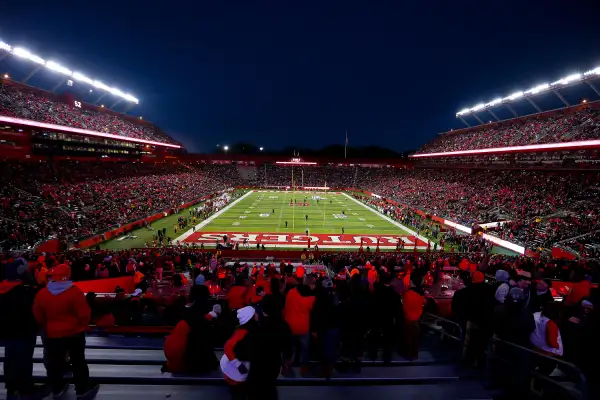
[291,240]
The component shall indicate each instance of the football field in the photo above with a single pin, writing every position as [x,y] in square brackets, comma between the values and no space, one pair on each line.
[295,219]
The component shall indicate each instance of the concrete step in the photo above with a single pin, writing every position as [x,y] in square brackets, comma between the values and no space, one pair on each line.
[157,357]
[439,391]
[151,375]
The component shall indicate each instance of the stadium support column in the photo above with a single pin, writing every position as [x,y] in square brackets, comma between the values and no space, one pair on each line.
[100,98]
[493,115]
[59,84]
[114,104]
[128,107]
[478,119]
[560,96]
[512,110]
[590,84]
[31,74]
[534,105]
[464,122]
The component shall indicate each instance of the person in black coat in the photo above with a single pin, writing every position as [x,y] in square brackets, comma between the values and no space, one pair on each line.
[18,328]
[387,308]
[479,310]
[268,348]
[354,321]
[324,325]
[513,323]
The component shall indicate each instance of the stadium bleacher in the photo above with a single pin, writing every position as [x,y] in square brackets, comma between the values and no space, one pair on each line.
[555,128]
[22,102]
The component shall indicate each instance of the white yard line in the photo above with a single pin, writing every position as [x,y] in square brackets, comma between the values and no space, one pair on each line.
[396,223]
[210,219]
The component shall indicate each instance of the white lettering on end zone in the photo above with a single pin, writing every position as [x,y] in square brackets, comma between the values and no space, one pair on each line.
[301,241]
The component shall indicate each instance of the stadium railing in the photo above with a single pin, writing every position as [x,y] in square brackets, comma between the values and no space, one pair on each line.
[521,368]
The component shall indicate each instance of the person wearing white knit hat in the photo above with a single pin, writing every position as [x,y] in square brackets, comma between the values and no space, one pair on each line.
[235,371]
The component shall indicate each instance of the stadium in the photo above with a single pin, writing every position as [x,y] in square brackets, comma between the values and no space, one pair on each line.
[141,224]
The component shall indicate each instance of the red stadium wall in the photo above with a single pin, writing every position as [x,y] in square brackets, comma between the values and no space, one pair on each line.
[106,285]
[562,254]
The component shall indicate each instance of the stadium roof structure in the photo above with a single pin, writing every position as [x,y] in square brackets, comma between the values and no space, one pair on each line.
[66,74]
[529,95]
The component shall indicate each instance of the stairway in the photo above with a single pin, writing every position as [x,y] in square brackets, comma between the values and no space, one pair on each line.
[131,366]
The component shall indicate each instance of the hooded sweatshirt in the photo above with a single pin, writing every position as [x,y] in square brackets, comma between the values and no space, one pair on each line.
[61,309]
[298,305]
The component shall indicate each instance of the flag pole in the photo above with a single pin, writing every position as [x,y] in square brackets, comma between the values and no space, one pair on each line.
[346,145]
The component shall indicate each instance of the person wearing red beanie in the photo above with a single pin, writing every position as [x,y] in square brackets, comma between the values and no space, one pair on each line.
[63,313]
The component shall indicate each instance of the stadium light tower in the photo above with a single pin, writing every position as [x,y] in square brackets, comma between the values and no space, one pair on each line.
[261,149]
[64,72]
[226,148]
[554,87]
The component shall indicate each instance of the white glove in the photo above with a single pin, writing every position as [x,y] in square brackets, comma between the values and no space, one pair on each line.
[217,309]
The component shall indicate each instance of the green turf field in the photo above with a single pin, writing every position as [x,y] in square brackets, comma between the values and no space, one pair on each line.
[269,212]
[292,220]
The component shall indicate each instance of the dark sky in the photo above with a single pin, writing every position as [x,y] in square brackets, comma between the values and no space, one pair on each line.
[279,73]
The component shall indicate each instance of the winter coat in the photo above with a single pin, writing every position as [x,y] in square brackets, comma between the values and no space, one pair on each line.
[298,305]
[62,312]
[189,347]
[513,323]
[266,347]
[413,304]
[16,319]
[324,314]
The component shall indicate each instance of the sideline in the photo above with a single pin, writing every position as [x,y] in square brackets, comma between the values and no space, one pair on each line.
[388,219]
[208,220]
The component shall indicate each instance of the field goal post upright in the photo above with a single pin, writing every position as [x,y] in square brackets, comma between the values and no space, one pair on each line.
[293,202]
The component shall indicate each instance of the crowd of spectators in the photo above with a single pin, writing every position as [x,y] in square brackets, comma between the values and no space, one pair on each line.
[541,207]
[25,103]
[362,302]
[556,128]
[75,199]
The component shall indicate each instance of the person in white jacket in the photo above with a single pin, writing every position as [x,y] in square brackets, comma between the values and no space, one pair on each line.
[546,338]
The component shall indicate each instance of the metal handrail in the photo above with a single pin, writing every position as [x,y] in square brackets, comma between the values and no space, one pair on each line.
[458,338]
[581,385]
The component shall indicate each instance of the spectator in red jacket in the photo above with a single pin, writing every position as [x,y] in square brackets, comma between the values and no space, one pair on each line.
[298,305]
[63,313]
[413,303]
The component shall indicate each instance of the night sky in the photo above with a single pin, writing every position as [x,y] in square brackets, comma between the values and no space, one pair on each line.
[301,73]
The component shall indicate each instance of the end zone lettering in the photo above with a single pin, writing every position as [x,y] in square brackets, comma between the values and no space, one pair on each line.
[300,240]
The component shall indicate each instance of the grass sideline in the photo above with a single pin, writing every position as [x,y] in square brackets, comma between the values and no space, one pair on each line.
[145,235]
